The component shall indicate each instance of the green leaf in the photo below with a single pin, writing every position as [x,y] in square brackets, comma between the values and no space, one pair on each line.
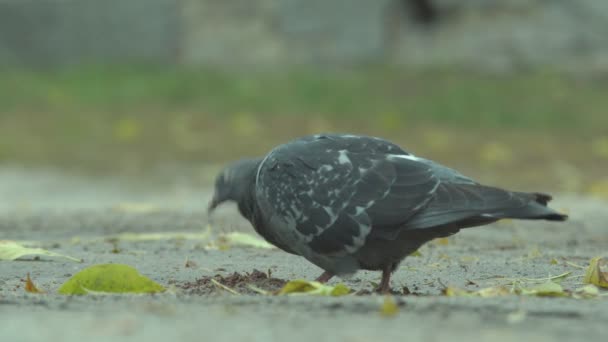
[109,278]
[12,250]
[301,286]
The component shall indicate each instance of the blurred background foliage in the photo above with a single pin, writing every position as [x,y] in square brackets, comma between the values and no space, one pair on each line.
[512,92]
[542,129]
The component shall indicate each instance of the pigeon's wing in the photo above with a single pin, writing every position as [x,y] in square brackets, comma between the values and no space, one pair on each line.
[331,192]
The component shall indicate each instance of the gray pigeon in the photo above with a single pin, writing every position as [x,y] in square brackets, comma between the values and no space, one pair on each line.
[349,202]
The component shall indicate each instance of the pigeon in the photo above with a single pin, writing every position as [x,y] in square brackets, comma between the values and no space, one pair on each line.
[349,202]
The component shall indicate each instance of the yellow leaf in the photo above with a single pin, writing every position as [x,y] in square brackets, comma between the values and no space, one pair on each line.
[127,129]
[599,188]
[442,241]
[12,250]
[457,292]
[548,289]
[599,147]
[495,153]
[495,291]
[30,287]
[389,308]
[242,239]
[594,274]
[245,125]
[300,286]
[109,278]
[534,253]
[416,253]
[554,261]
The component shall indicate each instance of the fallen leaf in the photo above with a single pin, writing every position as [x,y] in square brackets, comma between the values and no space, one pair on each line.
[442,241]
[534,253]
[494,291]
[30,287]
[594,274]
[389,308]
[586,292]
[242,239]
[554,261]
[416,253]
[299,287]
[12,250]
[109,278]
[548,289]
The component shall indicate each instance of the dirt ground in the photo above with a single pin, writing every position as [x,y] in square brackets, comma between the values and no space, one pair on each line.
[74,215]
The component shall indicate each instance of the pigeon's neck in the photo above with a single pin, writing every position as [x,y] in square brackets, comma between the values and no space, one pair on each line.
[247,203]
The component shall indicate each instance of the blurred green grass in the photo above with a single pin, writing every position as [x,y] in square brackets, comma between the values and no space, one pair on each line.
[535,100]
[135,117]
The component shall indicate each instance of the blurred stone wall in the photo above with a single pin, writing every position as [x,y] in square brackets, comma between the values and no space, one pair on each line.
[58,32]
[499,35]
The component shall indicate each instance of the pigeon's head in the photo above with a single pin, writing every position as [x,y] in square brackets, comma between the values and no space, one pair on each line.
[234,182]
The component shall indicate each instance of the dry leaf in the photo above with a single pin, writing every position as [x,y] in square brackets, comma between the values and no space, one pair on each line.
[594,274]
[442,241]
[586,292]
[298,287]
[494,291]
[548,289]
[12,250]
[30,287]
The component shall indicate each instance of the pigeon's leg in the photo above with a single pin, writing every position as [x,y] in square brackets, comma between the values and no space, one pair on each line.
[385,283]
[324,278]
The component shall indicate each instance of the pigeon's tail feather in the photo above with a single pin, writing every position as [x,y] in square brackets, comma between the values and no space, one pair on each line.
[535,210]
[470,205]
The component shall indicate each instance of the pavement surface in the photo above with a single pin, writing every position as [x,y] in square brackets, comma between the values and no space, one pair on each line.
[75,215]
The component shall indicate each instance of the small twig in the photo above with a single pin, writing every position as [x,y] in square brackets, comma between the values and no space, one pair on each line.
[224,287]
[258,290]
[574,265]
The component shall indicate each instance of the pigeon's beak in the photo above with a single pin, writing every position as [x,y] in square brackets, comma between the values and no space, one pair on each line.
[213,204]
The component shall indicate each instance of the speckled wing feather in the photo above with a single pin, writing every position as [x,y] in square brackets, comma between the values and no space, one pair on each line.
[332,191]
